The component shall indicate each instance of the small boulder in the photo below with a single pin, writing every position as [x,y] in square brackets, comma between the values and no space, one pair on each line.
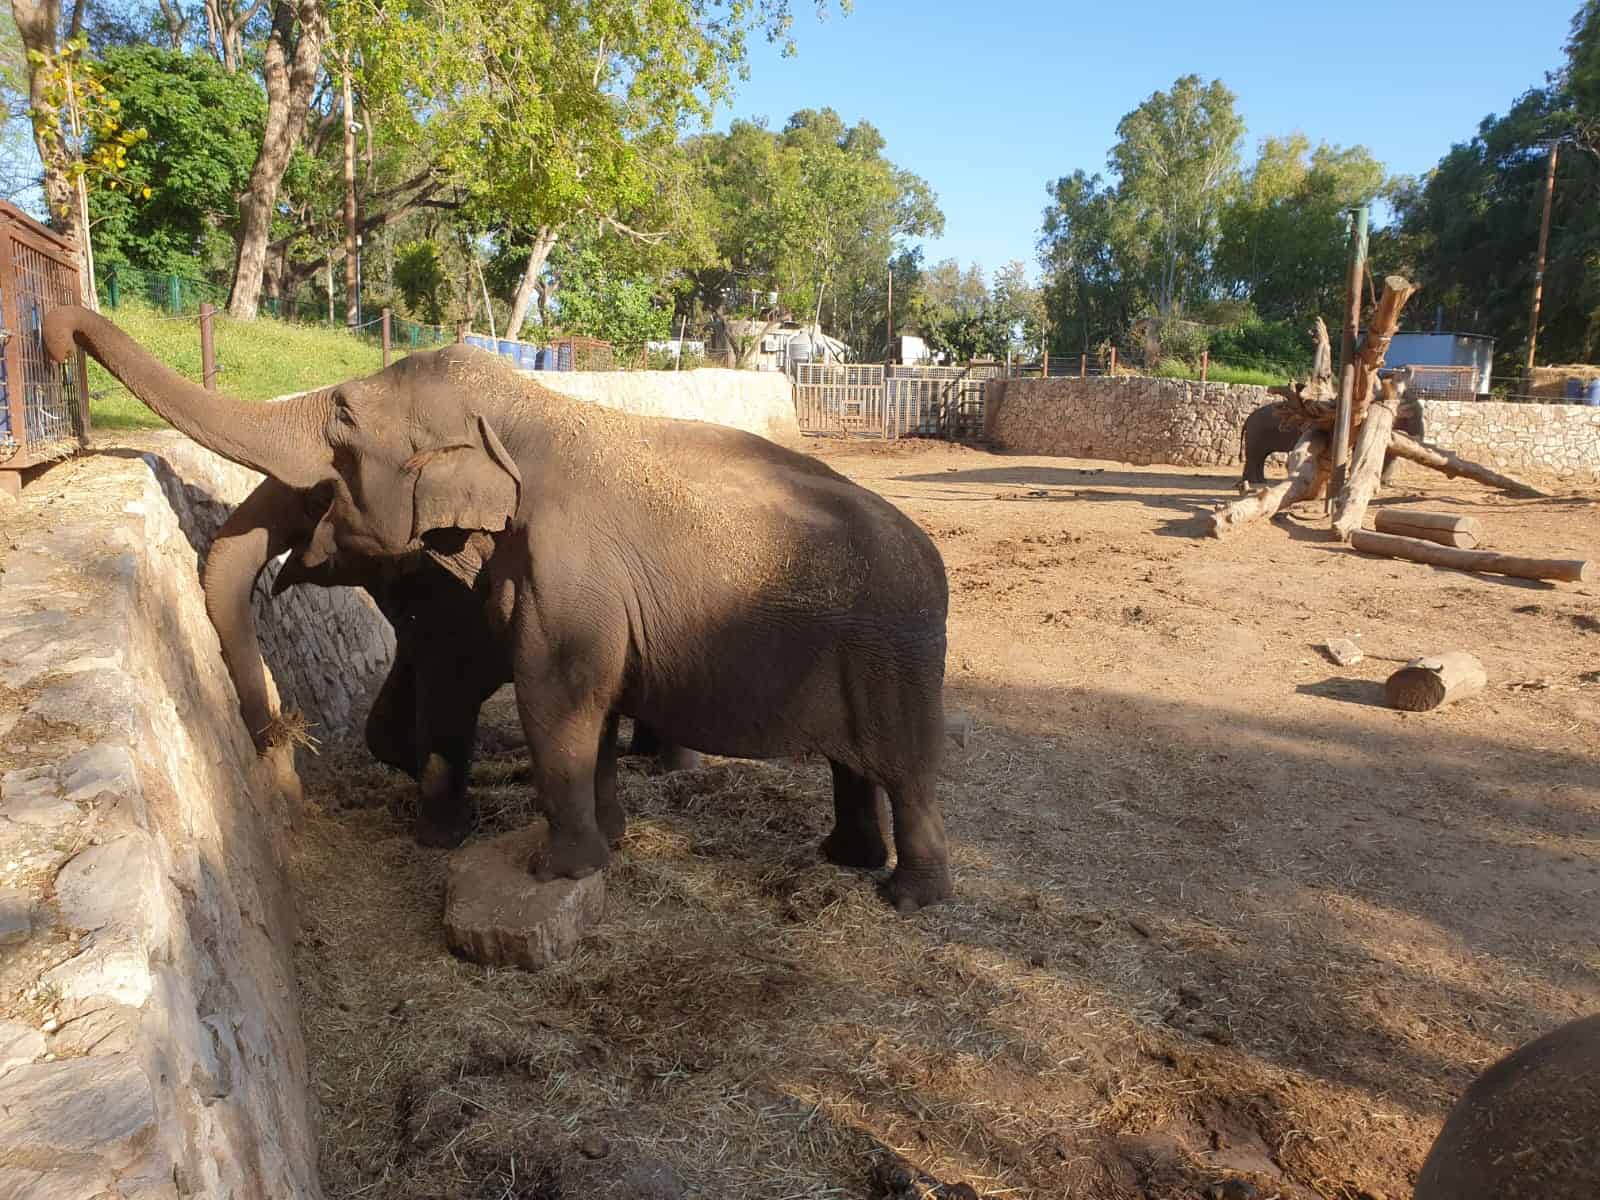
[497,914]
[1344,652]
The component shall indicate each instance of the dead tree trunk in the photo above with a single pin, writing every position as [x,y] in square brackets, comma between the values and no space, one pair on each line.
[1424,684]
[1372,444]
[1306,472]
[544,241]
[1375,345]
[1453,465]
[1567,570]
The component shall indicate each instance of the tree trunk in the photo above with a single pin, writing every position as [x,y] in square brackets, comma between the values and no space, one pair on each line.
[1447,529]
[290,75]
[1452,465]
[352,281]
[1424,684]
[1305,474]
[544,241]
[37,22]
[1567,570]
[1372,444]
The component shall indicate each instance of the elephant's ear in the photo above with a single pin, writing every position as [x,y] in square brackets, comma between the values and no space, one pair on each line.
[467,486]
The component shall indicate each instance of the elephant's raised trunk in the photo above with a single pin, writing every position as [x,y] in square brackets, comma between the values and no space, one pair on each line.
[284,439]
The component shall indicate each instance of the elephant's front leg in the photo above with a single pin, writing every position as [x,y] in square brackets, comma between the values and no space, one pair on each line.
[564,743]
[608,811]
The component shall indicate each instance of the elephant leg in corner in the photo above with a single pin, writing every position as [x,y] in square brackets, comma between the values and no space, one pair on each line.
[448,701]
[668,755]
[857,839]
[609,814]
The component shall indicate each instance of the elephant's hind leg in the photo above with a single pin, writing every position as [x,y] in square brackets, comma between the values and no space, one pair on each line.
[922,867]
[609,814]
[857,839]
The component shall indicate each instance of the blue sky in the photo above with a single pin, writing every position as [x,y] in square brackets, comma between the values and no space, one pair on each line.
[988,102]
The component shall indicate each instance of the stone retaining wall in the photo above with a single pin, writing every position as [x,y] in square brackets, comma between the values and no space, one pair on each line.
[1139,420]
[149,1036]
[759,402]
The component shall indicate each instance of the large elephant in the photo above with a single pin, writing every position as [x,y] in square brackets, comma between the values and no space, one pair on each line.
[1262,435]
[1528,1128]
[733,595]
[446,664]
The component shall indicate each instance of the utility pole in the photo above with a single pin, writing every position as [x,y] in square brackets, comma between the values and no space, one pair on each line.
[1544,240]
[890,325]
[352,283]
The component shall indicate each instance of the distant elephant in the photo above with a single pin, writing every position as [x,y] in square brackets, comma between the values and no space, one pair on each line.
[1528,1128]
[732,594]
[1261,436]
[424,717]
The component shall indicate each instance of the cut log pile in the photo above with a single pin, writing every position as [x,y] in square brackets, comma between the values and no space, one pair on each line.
[1312,408]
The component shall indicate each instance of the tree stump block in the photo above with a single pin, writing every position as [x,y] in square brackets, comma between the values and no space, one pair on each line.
[1424,684]
[1464,533]
[497,914]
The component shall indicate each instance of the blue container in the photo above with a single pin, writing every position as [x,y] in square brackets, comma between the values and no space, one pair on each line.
[1573,392]
[506,349]
[543,361]
[527,356]
[1591,394]
[482,343]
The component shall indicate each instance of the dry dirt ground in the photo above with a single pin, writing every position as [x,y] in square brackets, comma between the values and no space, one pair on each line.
[1224,925]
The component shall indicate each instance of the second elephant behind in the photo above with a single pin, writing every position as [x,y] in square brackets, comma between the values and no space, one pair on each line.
[1263,436]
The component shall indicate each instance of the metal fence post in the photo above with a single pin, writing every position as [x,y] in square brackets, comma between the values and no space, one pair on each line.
[386,337]
[113,290]
[174,296]
[208,349]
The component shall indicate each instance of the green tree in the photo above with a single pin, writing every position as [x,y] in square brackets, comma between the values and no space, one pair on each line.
[597,300]
[1177,159]
[1285,232]
[203,126]
[419,274]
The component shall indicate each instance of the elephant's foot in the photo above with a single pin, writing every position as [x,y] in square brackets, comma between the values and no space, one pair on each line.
[570,857]
[443,833]
[613,821]
[859,850]
[677,758]
[914,887]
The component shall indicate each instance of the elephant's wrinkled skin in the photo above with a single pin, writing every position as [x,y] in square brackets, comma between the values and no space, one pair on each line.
[1528,1128]
[446,664]
[733,595]
[1261,436]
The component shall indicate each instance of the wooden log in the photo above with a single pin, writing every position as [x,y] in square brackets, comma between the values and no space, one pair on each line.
[1447,529]
[1453,465]
[1424,684]
[1306,473]
[1375,344]
[1361,484]
[1567,570]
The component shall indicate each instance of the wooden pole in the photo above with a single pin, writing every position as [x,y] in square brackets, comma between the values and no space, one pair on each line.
[1453,465]
[1566,570]
[461,331]
[1113,369]
[889,317]
[1347,347]
[208,349]
[1371,447]
[386,337]
[1424,684]
[1304,475]
[1083,366]
[1544,241]
[1205,365]
[1044,368]
[1445,528]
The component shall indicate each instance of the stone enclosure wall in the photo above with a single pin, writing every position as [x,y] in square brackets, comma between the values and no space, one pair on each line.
[149,1042]
[1182,422]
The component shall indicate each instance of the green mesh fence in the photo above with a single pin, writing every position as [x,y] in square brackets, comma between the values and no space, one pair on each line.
[118,284]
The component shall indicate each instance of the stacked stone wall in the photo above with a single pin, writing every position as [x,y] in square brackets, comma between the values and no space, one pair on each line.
[1140,420]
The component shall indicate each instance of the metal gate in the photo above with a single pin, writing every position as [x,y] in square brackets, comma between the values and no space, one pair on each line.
[44,409]
[872,400]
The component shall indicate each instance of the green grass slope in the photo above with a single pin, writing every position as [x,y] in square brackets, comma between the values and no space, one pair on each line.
[258,360]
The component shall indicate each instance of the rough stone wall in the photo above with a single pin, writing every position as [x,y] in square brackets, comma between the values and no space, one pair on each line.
[1126,418]
[1562,440]
[1138,420]
[759,402]
[149,1038]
